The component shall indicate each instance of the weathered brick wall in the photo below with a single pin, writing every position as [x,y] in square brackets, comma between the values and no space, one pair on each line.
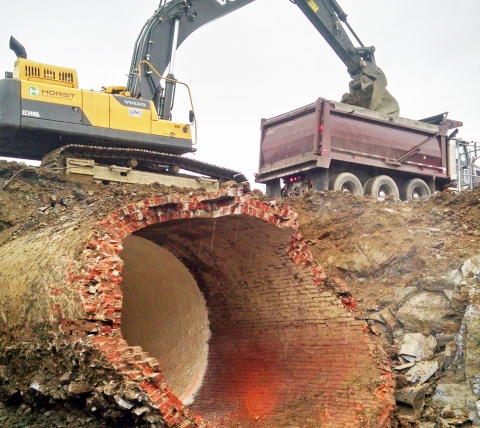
[284,350]
[282,345]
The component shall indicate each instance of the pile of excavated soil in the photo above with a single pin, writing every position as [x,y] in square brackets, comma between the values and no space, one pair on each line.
[381,250]
[380,246]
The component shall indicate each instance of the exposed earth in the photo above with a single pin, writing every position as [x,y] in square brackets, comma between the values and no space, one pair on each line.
[402,263]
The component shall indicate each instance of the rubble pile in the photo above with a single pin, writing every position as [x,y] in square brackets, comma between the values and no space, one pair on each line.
[414,270]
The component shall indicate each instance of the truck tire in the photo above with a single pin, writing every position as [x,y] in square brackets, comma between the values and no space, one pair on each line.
[382,187]
[366,184]
[415,189]
[346,182]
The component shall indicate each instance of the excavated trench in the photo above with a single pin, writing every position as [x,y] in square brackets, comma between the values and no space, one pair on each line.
[212,306]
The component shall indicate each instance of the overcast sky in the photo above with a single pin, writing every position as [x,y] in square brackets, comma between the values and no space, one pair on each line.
[265,59]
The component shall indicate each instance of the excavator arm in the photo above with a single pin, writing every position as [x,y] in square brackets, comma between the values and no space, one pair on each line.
[175,20]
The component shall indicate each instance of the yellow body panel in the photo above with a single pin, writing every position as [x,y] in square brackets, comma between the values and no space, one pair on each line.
[32,71]
[51,94]
[96,108]
[43,83]
[130,114]
[171,129]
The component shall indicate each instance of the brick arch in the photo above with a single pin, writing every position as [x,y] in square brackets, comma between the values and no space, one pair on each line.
[331,350]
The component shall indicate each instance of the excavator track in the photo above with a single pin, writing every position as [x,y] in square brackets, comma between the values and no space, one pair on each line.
[141,160]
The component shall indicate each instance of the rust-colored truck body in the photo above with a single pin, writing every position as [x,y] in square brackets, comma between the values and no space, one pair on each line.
[322,140]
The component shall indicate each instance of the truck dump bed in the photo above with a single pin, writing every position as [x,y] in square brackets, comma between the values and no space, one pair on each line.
[326,131]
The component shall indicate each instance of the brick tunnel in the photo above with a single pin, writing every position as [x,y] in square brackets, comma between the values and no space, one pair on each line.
[212,306]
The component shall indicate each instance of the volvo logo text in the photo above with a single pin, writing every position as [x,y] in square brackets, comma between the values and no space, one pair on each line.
[135,103]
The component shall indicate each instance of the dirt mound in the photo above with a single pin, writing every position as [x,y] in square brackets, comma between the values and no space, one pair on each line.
[379,246]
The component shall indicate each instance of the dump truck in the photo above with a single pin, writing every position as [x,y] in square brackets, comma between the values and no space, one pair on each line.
[330,145]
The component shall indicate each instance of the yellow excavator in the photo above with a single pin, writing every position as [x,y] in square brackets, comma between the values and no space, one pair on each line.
[45,116]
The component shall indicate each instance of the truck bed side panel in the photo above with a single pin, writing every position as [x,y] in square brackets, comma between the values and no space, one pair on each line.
[358,140]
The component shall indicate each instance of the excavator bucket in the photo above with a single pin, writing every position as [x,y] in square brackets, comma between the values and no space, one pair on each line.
[375,97]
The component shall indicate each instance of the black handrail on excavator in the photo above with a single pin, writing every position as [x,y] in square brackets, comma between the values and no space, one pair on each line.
[175,20]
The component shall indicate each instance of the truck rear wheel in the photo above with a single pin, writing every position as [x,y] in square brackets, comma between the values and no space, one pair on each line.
[346,182]
[415,189]
[382,187]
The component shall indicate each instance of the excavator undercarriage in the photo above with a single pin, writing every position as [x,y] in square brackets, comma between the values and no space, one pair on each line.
[106,164]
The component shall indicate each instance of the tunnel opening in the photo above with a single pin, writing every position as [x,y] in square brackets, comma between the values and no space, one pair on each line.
[271,341]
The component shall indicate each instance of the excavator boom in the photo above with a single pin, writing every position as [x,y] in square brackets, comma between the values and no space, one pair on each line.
[175,20]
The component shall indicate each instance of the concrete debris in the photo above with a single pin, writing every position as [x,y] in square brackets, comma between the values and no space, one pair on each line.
[422,371]
[413,396]
[404,366]
[389,318]
[139,411]
[455,277]
[36,387]
[471,268]
[417,347]
[124,404]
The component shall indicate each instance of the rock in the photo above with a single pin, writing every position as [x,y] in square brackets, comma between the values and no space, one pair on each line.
[79,194]
[450,352]
[455,277]
[438,245]
[417,347]
[471,267]
[389,318]
[110,389]
[435,284]
[37,387]
[443,339]
[404,366]
[426,425]
[425,310]
[476,386]
[124,404]
[422,371]
[77,388]
[413,396]
[442,423]
[449,294]
[65,202]
[458,396]
[139,411]
[375,316]
[410,403]
[402,293]
[472,344]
